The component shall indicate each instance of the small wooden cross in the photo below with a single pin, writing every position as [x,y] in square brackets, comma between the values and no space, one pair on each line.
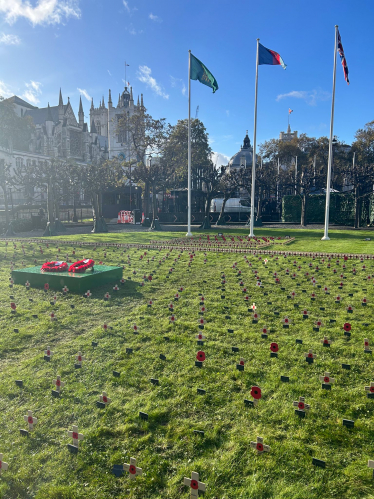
[366,343]
[104,399]
[326,341]
[59,384]
[30,420]
[194,484]
[3,466]
[132,468]
[48,354]
[301,405]
[326,380]
[75,436]
[370,388]
[200,337]
[310,355]
[79,359]
[259,446]
[371,465]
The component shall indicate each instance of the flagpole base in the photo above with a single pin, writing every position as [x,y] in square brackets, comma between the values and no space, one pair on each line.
[325,238]
[189,234]
[251,234]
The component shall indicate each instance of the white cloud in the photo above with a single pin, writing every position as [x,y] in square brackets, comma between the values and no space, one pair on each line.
[155,18]
[311,97]
[9,39]
[45,12]
[5,91]
[178,83]
[129,9]
[85,94]
[220,159]
[33,91]
[144,75]
[110,74]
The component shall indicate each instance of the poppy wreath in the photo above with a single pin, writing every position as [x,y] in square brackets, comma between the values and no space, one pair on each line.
[82,265]
[54,267]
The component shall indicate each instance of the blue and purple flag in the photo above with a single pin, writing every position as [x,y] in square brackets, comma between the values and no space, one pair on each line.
[267,56]
[342,58]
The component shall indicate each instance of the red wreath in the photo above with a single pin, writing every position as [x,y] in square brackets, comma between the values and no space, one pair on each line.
[54,267]
[82,265]
[256,392]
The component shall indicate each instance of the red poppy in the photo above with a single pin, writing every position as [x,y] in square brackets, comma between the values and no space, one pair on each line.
[30,420]
[366,343]
[371,389]
[48,352]
[46,286]
[200,356]
[256,392]
[13,306]
[260,447]
[326,379]
[79,358]
[105,399]
[58,382]
[310,355]
[326,342]
[347,327]
[301,406]
[75,435]
[241,362]
[194,484]
[264,330]
[305,312]
[274,347]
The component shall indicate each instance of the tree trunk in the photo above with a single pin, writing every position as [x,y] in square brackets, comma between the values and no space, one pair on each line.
[155,223]
[206,222]
[146,199]
[50,212]
[75,218]
[221,218]
[100,225]
[304,200]
[8,226]
[357,209]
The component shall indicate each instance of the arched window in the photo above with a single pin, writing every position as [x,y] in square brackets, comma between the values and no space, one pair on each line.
[19,162]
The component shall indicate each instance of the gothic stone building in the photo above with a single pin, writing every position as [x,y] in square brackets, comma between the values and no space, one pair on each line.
[58,134]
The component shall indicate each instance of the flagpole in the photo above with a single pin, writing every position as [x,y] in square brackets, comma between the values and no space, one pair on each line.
[189,233]
[254,151]
[327,209]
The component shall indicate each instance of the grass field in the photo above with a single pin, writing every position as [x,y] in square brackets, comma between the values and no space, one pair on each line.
[165,446]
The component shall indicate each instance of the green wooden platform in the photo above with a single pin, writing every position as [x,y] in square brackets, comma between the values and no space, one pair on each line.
[80,283]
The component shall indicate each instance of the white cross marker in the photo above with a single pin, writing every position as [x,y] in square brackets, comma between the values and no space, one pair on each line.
[326,379]
[370,388]
[194,484]
[59,384]
[310,355]
[75,436]
[105,399]
[30,420]
[4,466]
[132,469]
[79,358]
[48,352]
[200,337]
[366,343]
[259,446]
[326,341]
[301,405]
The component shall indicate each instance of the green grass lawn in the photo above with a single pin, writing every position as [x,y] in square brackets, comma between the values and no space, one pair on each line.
[165,446]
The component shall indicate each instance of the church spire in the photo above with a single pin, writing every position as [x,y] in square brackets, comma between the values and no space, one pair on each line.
[60,101]
[81,113]
[141,100]
[119,100]
[131,96]
[110,99]
[92,104]
[49,114]
[138,104]
[103,104]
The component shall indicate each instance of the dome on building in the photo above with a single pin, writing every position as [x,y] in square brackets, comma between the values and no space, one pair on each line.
[243,158]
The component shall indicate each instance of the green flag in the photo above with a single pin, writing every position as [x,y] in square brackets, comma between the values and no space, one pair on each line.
[200,72]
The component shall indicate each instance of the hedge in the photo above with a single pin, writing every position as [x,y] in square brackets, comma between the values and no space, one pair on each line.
[342,209]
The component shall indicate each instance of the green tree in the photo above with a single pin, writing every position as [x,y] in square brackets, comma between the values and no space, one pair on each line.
[146,137]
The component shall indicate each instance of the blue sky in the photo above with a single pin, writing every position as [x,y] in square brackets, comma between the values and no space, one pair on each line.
[82,45]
